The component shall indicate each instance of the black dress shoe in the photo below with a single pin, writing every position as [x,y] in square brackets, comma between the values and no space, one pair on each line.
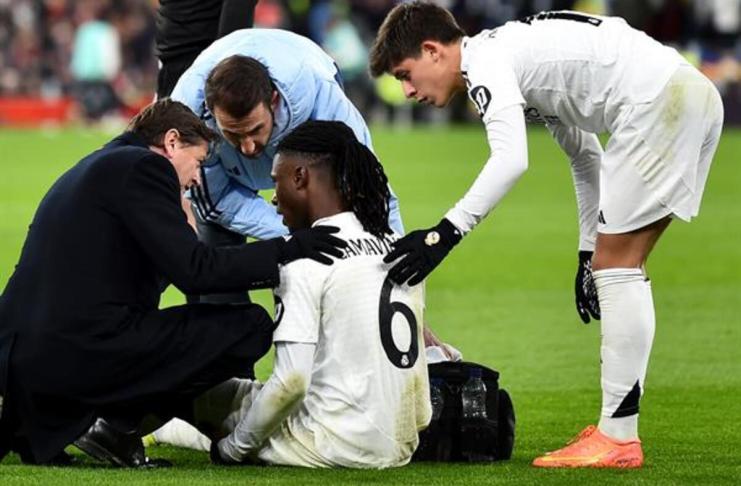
[121,449]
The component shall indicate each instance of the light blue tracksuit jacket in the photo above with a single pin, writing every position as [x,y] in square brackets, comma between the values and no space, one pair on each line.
[309,86]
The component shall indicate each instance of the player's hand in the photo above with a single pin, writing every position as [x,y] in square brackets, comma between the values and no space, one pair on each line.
[421,251]
[315,243]
[217,458]
[220,457]
[586,293]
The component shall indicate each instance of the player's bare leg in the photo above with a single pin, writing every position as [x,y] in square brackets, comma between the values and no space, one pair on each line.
[628,325]
[627,250]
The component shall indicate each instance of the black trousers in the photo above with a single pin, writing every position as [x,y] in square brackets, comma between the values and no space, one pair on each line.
[237,362]
[235,15]
[171,71]
[201,346]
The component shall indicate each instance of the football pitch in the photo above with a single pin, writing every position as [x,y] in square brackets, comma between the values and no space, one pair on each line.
[504,297]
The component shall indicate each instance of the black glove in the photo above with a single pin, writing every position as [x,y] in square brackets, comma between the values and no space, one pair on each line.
[586,293]
[424,250]
[315,243]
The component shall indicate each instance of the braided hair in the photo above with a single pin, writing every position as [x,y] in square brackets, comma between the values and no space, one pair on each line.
[357,173]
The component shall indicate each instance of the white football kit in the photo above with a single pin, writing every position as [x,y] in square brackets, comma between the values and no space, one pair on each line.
[582,75]
[354,342]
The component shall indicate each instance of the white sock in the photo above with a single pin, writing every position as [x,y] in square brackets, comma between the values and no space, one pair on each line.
[181,434]
[218,410]
[621,429]
[628,324]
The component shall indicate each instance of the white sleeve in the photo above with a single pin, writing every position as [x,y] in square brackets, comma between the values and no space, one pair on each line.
[491,81]
[280,396]
[298,301]
[505,131]
[585,153]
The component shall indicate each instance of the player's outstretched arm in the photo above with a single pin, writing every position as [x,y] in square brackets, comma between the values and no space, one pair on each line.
[422,251]
[280,396]
[505,132]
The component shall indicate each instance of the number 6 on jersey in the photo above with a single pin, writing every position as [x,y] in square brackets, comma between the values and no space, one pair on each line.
[386,311]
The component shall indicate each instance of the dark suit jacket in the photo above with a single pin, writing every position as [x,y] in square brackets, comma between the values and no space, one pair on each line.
[81,306]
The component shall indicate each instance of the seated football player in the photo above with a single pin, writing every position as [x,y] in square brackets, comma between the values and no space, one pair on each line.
[349,386]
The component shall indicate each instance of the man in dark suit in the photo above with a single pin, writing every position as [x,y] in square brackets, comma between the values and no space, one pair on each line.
[85,353]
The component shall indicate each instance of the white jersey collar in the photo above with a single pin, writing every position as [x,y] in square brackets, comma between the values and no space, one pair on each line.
[345,220]
[464,56]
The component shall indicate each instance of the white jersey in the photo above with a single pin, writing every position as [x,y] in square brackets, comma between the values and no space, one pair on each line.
[369,393]
[565,68]
[580,75]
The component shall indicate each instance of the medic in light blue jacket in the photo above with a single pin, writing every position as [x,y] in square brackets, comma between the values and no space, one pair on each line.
[309,87]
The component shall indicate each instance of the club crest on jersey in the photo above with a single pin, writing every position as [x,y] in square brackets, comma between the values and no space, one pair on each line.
[481,97]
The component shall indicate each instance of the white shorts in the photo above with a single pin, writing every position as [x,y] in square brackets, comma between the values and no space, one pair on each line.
[657,160]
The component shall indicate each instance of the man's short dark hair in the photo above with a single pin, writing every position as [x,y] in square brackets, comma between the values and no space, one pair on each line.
[153,122]
[238,84]
[405,28]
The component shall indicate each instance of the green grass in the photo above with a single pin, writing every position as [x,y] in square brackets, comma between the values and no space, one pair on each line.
[504,297]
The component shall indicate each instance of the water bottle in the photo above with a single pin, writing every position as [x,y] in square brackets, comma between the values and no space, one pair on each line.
[476,436]
[436,398]
[473,396]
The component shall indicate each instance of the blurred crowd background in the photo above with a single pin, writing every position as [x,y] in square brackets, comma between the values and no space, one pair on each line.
[56,53]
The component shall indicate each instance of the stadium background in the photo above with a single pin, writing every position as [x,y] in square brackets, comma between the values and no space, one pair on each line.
[504,297]
[43,50]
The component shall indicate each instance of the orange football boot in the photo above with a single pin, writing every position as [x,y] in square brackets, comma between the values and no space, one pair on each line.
[591,448]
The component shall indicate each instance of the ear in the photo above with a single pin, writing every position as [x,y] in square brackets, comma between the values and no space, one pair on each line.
[170,140]
[301,177]
[433,48]
[274,99]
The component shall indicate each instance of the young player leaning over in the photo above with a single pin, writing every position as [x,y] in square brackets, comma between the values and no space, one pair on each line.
[580,75]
